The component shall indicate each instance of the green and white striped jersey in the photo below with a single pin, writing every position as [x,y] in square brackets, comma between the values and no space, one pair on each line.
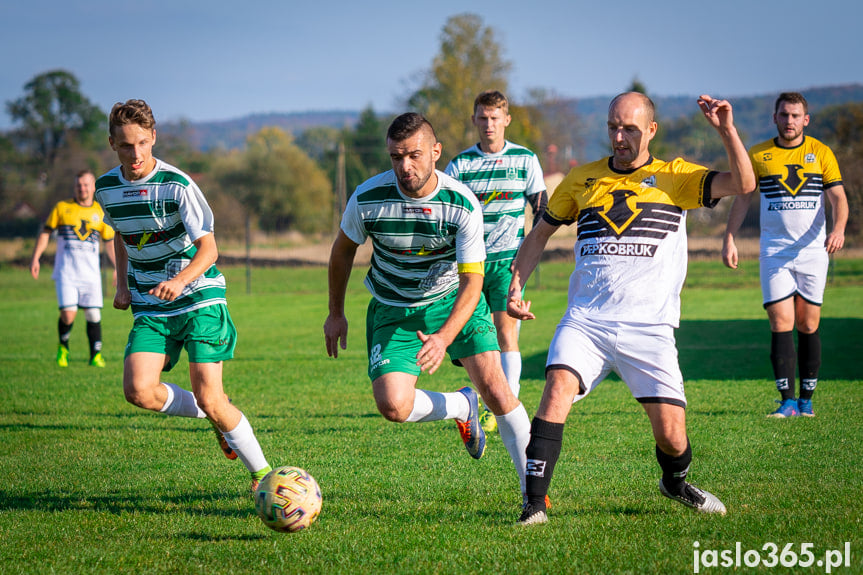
[502,182]
[419,244]
[158,218]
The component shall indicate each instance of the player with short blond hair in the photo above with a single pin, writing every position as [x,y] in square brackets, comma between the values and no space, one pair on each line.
[167,252]
[505,177]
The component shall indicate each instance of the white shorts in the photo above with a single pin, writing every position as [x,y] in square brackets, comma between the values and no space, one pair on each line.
[805,275]
[83,295]
[644,356]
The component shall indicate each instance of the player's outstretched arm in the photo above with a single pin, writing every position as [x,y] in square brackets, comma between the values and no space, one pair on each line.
[341,261]
[431,354]
[741,178]
[526,260]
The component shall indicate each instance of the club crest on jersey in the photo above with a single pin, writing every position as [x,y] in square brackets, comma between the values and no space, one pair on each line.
[620,214]
[793,182]
[511,173]
[83,231]
[649,182]
[158,208]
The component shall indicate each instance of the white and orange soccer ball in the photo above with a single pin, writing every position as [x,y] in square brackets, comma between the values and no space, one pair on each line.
[288,499]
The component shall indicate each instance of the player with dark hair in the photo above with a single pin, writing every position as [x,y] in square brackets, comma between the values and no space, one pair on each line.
[795,173]
[168,253]
[426,284]
[505,177]
[624,296]
[80,225]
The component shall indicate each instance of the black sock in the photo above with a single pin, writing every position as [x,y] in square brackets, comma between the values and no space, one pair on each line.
[782,357]
[94,334]
[674,469]
[809,360]
[65,332]
[542,452]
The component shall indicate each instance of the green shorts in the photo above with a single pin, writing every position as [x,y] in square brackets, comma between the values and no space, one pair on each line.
[391,334]
[495,286]
[208,334]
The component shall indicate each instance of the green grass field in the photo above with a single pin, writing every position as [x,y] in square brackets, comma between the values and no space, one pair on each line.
[91,484]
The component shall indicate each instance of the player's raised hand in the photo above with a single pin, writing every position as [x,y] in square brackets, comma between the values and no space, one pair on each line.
[431,354]
[717,112]
[336,334]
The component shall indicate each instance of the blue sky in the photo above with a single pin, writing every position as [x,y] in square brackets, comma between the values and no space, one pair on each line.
[220,60]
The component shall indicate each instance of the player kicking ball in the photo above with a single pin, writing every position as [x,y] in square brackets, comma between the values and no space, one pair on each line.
[624,296]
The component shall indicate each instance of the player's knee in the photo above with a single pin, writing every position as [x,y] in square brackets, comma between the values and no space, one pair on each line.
[93,314]
[393,411]
[672,444]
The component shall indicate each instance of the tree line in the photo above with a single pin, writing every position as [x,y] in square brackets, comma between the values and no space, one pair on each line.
[279,182]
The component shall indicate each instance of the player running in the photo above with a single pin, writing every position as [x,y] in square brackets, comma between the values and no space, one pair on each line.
[505,177]
[177,294]
[426,286]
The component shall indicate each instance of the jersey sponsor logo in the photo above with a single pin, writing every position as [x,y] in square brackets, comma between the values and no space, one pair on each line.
[535,467]
[134,193]
[440,274]
[792,205]
[618,249]
[488,198]
[419,211]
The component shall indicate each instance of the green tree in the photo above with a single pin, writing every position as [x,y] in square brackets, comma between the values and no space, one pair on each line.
[841,127]
[51,110]
[470,61]
[281,185]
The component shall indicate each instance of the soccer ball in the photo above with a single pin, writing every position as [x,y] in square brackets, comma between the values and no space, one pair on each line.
[288,499]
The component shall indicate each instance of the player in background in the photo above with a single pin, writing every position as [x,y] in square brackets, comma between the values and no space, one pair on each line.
[794,172]
[624,295]
[167,249]
[505,177]
[80,226]
[426,284]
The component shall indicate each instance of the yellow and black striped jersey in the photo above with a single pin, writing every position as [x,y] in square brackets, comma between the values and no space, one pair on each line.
[791,182]
[79,230]
[631,252]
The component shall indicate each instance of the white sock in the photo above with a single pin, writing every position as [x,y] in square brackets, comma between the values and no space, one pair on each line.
[434,406]
[243,441]
[511,363]
[181,403]
[514,428]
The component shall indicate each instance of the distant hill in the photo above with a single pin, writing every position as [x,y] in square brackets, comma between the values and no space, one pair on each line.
[752,115]
[232,134]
